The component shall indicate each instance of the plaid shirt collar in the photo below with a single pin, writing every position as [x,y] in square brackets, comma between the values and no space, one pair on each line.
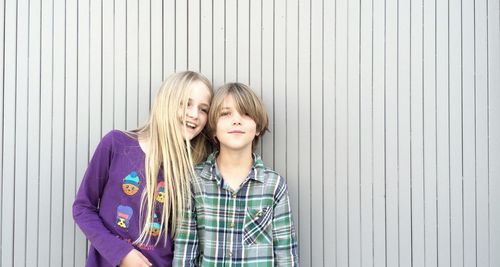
[211,172]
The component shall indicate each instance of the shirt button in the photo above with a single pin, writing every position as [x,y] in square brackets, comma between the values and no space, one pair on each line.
[259,213]
[230,253]
[232,224]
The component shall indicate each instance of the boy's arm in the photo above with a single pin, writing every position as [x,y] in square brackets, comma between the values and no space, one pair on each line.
[186,250]
[284,238]
[86,211]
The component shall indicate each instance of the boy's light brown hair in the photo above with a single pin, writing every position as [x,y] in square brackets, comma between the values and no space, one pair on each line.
[246,102]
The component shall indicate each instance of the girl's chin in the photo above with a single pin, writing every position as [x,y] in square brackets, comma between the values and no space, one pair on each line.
[190,134]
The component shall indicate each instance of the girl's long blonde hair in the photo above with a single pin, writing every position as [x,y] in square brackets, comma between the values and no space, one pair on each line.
[169,152]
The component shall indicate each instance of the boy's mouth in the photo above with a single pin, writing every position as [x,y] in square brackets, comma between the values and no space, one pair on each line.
[236,132]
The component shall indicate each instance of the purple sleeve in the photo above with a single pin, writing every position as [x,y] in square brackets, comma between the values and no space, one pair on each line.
[85,207]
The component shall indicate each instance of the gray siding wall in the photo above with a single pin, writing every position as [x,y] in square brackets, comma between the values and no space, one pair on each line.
[385,115]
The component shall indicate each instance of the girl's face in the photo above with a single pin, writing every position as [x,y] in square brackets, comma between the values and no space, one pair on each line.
[197,110]
[234,131]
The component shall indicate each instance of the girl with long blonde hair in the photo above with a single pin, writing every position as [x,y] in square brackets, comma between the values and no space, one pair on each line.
[138,182]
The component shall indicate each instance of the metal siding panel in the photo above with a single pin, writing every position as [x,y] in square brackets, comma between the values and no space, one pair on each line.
[267,79]
[243,42]
[443,134]
[329,155]
[316,126]
[379,218]
[429,131]
[181,34]
[168,33]
[353,132]
[156,47]
[456,181]
[292,102]
[219,72]
[194,33]
[255,74]
[481,120]
[304,110]
[132,65]
[469,133]
[279,95]
[96,68]
[70,128]
[21,134]
[46,77]
[366,134]
[2,64]
[230,40]
[206,41]
[391,133]
[108,68]
[120,64]
[494,129]
[417,143]
[9,133]
[58,140]
[145,96]
[83,116]
[404,133]
[342,134]
[33,159]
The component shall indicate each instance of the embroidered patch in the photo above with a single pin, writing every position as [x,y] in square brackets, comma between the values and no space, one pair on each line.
[154,228]
[131,183]
[160,192]
[123,215]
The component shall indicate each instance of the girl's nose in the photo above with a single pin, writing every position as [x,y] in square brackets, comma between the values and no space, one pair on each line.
[192,112]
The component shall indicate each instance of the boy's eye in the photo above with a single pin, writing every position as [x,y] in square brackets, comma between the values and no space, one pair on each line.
[224,113]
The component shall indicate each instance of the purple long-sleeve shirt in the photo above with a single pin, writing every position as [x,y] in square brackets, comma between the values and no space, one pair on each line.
[107,205]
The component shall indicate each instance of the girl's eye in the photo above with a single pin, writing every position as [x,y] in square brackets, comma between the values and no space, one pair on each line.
[204,110]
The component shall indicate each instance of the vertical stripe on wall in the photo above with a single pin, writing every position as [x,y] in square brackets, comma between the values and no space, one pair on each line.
[384,116]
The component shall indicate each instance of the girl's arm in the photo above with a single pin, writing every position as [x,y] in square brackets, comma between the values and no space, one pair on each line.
[284,238]
[85,207]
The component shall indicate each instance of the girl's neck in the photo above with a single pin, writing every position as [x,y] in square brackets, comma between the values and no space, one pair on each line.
[143,140]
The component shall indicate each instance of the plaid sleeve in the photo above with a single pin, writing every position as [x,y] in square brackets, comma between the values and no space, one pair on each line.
[284,238]
[186,240]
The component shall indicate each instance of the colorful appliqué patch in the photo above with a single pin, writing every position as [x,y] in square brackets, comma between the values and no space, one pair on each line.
[131,183]
[123,215]
[154,228]
[160,192]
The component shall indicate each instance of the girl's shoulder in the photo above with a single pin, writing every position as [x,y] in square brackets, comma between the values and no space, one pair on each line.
[117,138]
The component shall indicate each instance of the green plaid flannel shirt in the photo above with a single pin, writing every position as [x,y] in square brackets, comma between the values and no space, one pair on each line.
[250,227]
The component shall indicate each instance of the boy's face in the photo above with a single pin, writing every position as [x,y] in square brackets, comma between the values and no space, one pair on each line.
[234,131]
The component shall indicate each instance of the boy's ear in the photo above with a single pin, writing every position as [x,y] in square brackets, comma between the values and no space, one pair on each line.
[257,133]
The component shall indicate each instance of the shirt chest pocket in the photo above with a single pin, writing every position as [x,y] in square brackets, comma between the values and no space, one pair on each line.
[257,227]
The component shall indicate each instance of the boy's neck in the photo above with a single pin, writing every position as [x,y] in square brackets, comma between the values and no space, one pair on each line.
[234,166]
